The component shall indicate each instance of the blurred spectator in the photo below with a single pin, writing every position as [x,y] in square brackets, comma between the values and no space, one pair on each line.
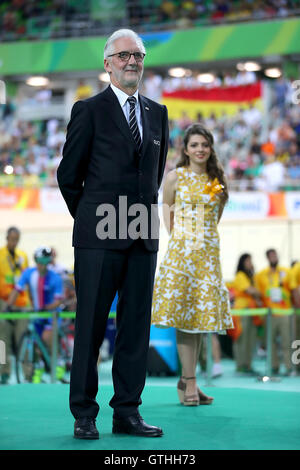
[184,122]
[12,263]
[56,137]
[7,110]
[281,90]
[19,165]
[221,8]
[32,166]
[229,79]
[55,161]
[69,301]
[83,91]
[272,283]
[152,86]
[43,96]
[9,21]
[285,135]
[245,78]
[294,285]
[20,19]
[246,295]
[174,132]
[166,10]
[293,169]
[271,176]
[58,268]
[136,13]
[252,116]
[268,147]
[172,83]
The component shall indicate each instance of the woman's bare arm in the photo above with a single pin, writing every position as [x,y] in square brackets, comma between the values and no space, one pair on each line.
[169,192]
[221,209]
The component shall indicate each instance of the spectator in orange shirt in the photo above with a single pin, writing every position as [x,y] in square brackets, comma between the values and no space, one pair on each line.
[268,148]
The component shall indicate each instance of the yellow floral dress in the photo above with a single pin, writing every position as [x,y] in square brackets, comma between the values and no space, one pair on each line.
[189,292]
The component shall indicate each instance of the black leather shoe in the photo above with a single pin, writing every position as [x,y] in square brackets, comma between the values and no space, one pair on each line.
[85,428]
[136,426]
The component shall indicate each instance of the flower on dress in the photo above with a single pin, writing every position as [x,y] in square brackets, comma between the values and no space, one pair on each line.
[213,187]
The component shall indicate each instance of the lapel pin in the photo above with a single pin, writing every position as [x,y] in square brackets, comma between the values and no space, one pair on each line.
[146,107]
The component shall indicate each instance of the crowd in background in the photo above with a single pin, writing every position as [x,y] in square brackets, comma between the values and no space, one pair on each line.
[253,158]
[259,149]
[188,13]
[33,150]
[30,19]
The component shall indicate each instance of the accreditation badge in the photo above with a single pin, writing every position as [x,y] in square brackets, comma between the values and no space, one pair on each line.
[276,295]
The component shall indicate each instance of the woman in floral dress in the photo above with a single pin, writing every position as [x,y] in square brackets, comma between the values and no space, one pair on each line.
[189,292]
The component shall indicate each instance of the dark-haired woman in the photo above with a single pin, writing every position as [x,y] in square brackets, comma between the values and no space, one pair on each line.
[246,295]
[189,292]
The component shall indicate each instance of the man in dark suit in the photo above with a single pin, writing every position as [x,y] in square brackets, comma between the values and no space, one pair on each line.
[112,167]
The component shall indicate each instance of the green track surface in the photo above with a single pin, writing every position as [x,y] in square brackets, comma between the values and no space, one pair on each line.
[246,414]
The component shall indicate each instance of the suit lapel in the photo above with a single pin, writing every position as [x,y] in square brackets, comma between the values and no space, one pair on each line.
[117,114]
[119,118]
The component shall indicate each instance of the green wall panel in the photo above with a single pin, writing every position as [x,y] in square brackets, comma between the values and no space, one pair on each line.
[163,48]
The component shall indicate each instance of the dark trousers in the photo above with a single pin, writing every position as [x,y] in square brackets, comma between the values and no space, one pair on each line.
[99,274]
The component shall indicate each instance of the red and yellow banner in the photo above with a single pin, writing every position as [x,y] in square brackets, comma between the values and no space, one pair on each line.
[19,198]
[219,100]
[277,205]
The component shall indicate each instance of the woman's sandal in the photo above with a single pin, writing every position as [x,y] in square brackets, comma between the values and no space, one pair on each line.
[191,400]
[181,386]
[203,399]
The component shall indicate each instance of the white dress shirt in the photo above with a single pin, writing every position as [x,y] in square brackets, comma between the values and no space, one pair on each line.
[122,97]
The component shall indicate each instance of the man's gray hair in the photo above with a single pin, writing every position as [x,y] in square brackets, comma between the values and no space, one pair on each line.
[122,33]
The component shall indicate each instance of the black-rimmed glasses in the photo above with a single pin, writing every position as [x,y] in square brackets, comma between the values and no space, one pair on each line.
[125,56]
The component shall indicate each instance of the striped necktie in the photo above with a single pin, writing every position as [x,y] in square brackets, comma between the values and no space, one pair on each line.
[133,123]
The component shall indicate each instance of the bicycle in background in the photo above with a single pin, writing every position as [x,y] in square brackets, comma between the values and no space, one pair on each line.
[33,358]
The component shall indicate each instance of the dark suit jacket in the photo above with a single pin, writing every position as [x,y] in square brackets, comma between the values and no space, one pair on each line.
[101,162]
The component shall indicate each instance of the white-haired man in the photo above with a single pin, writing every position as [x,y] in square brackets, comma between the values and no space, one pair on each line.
[112,167]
